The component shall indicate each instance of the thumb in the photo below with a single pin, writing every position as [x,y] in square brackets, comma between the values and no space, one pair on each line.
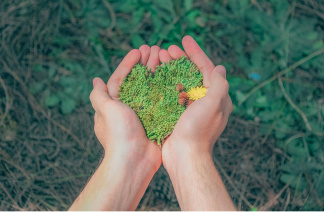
[99,95]
[219,86]
[99,84]
[221,70]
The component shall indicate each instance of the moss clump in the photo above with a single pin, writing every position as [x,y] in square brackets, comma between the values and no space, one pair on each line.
[154,97]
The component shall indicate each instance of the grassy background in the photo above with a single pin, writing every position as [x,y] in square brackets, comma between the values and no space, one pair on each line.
[271,153]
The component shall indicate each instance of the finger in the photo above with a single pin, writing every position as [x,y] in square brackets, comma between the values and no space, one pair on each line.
[122,71]
[228,106]
[95,118]
[221,69]
[219,87]
[154,60]
[99,95]
[198,57]
[164,56]
[145,53]
[175,52]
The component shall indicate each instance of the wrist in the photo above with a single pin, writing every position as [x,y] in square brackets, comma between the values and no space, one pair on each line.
[126,179]
[134,157]
[177,163]
[133,170]
[177,154]
[197,184]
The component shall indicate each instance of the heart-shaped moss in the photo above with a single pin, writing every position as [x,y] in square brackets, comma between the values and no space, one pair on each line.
[159,99]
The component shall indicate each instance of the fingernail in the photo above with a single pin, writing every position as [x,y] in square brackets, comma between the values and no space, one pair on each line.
[221,69]
[94,81]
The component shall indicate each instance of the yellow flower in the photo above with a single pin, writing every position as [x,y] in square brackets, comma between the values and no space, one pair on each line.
[197,93]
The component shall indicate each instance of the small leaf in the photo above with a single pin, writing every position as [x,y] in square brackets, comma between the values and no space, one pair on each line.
[311,35]
[63,40]
[137,41]
[315,126]
[256,58]
[314,145]
[254,209]
[283,126]
[52,100]
[267,115]
[320,185]
[52,70]
[188,4]
[157,22]
[294,181]
[239,95]
[244,3]
[153,39]
[128,6]
[38,68]
[36,87]
[67,81]
[68,105]
[318,45]
[292,168]
[295,148]
[280,134]
[85,91]
[261,101]
[243,62]
[137,16]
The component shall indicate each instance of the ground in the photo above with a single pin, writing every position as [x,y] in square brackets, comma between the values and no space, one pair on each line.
[50,50]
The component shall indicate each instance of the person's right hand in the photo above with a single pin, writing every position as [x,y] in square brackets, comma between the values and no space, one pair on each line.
[204,120]
[130,158]
[117,126]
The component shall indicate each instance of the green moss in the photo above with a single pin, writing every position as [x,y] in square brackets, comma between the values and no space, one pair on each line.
[155,98]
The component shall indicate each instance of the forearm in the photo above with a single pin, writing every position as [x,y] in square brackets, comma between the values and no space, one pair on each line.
[197,184]
[116,185]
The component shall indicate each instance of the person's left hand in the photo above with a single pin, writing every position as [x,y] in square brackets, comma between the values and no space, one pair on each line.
[117,126]
[204,120]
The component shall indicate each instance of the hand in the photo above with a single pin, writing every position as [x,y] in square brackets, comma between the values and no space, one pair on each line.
[204,120]
[187,153]
[131,159]
[117,126]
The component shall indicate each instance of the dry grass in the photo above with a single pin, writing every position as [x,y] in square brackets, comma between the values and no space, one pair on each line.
[46,158]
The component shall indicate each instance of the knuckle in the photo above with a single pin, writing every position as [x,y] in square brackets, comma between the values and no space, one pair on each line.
[102,107]
[96,118]
[109,105]
[225,83]
[106,105]
[95,123]
[92,95]
[210,102]
[231,105]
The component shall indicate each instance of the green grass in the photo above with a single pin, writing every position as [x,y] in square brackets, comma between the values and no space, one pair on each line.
[51,50]
[155,99]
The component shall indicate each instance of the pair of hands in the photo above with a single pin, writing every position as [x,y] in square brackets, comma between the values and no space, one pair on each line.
[131,159]
[120,131]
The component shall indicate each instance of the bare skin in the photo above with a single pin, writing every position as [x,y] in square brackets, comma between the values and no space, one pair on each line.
[131,159]
[187,154]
